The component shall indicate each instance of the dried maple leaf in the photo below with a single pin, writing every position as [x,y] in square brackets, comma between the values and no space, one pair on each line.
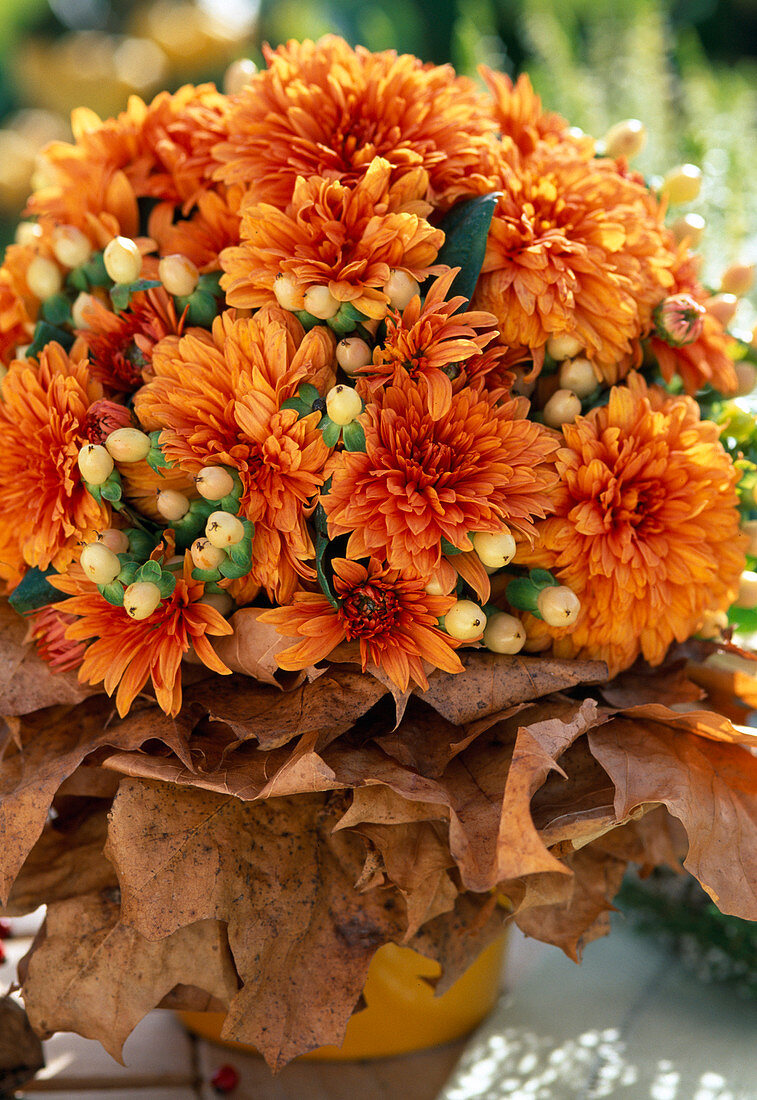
[20,1049]
[27,683]
[331,704]
[94,975]
[301,935]
[50,746]
[66,861]
[710,786]
[252,650]
[491,683]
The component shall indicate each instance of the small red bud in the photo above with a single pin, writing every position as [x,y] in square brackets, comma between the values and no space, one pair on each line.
[5,930]
[225,1079]
[2,954]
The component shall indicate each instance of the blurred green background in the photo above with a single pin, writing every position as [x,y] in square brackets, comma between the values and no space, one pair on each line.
[687,68]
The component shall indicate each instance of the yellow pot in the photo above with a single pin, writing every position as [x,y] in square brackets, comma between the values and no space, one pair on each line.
[402,1013]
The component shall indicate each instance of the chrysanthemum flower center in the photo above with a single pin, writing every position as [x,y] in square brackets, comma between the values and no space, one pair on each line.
[368,611]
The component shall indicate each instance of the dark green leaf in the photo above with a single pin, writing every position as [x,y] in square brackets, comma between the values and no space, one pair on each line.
[449,549]
[229,569]
[330,431]
[110,490]
[150,571]
[44,334]
[120,294]
[113,593]
[34,591]
[56,310]
[166,584]
[466,229]
[523,594]
[542,578]
[241,554]
[354,436]
[128,572]
[206,575]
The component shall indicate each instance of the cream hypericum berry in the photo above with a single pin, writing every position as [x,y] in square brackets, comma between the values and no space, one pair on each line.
[171,504]
[747,597]
[465,621]
[83,304]
[288,294]
[95,464]
[321,303]
[214,483]
[504,633]
[400,289]
[141,599]
[563,347]
[558,605]
[44,278]
[128,445]
[221,601]
[205,555]
[625,139]
[343,405]
[578,376]
[224,530]
[238,75]
[494,550]
[689,228]
[723,306]
[71,247]
[746,378]
[123,260]
[178,275]
[737,279]
[749,528]
[682,184]
[28,234]
[117,541]
[562,408]
[99,563]
[352,354]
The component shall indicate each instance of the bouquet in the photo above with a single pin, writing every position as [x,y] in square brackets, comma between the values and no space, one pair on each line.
[372,504]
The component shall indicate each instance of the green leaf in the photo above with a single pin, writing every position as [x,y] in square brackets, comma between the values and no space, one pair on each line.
[307,320]
[354,436]
[542,578]
[330,431]
[113,593]
[56,310]
[309,394]
[522,593]
[141,545]
[206,575]
[166,584]
[241,554]
[201,306]
[44,334]
[34,591]
[466,228]
[94,271]
[322,563]
[150,571]
[110,490]
[128,573]
[300,407]
[449,549]
[121,293]
[233,571]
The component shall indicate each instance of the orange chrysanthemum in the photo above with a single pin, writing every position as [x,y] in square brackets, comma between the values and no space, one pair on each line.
[47,629]
[575,248]
[212,226]
[706,360]
[15,326]
[392,617]
[123,653]
[45,510]
[519,115]
[432,341]
[324,109]
[422,480]
[120,344]
[646,530]
[345,238]
[218,400]
[160,150]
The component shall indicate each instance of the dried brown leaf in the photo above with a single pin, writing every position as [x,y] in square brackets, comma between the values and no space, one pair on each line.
[329,705]
[301,935]
[641,684]
[66,861]
[457,938]
[94,975]
[492,683]
[20,1049]
[252,650]
[710,786]
[27,683]
[53,743]
[573,921]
